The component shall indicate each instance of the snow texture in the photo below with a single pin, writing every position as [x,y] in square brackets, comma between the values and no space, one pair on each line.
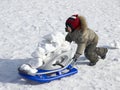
[24,23]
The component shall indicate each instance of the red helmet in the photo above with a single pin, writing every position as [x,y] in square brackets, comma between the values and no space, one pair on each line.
[73,22]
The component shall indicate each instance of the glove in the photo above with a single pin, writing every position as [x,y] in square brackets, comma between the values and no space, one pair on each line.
[76,56]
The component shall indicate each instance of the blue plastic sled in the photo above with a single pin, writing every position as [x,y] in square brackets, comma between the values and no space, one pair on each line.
[44,78]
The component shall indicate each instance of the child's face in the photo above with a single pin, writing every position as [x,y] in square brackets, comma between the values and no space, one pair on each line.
[69,29]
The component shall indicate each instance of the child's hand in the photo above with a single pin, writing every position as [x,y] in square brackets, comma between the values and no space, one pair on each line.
[76,56]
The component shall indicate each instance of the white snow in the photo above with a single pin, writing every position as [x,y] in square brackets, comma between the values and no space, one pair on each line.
[115,44]
[24,23]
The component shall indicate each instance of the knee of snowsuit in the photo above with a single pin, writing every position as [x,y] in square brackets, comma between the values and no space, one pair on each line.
[90,53]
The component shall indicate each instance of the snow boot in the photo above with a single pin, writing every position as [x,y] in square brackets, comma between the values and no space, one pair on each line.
[101,52]
[104,55]
[93,63]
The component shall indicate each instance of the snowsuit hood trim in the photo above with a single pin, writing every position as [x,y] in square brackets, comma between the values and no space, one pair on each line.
[83,22]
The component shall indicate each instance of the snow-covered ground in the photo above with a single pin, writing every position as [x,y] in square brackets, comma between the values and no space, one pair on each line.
[23,23]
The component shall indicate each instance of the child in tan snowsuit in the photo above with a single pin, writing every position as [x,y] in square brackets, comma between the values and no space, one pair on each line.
[85,38]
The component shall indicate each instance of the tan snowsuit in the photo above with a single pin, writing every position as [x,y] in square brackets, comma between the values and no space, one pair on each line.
[86,40]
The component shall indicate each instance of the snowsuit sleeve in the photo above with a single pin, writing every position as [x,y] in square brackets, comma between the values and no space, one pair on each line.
[68,38]
[80,48]
[81,45]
